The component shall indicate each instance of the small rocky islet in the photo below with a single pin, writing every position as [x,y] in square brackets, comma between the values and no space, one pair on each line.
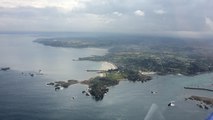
[62,84]
[203,102]
[5,68]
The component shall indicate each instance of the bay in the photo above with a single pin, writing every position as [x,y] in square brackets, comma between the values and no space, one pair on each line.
[20,53]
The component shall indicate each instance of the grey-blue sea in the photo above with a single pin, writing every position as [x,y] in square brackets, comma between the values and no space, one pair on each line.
[23,97]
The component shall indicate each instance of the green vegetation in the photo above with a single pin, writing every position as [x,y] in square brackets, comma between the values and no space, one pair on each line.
[99,85]
[136,76]
[115,75]
[131,54]
[157,62]
[164,55]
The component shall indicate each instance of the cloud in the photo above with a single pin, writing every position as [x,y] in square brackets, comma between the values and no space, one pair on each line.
[117,13]
[139,13]
[106,15]
[159,11]
[65,5]
[209,23]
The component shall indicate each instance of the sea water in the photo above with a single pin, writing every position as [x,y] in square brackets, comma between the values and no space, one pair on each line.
[23,97]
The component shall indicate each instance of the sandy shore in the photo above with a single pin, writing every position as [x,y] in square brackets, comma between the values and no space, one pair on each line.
[108,66]
[147,73]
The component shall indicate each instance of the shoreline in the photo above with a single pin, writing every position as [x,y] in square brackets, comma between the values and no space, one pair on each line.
[105,66]
[147,73]
[108,66]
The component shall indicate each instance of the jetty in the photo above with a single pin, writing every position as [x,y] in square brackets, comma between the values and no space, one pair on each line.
[197,88]
[98,71]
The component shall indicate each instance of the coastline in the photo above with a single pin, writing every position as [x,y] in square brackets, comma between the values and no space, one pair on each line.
[146,73]
[108,66]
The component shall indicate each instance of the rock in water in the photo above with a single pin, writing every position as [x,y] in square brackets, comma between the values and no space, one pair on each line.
[5,68]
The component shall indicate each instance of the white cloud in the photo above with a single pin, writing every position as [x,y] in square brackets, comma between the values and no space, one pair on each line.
[99,19]
[78,22]
[139,13]
[117,13]
[209,23]
[103,15]
[160,11]
[66,5]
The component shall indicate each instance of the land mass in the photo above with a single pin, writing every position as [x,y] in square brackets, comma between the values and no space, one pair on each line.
[205,102]
[135,56]
[163,55]
[98,86]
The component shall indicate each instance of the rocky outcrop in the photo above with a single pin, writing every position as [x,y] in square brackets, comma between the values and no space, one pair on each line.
[98,86]
[204,102]
[62,84]
[5,68]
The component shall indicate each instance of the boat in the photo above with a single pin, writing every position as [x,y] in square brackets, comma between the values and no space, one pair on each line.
[171,104]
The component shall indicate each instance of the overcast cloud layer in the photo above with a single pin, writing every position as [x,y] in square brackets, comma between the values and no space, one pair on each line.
[128,16]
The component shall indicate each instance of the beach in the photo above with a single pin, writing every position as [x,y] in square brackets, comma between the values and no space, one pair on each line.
[147,73]
[108,66]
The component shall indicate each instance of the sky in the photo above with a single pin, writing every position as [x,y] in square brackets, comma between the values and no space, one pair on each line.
[116,16]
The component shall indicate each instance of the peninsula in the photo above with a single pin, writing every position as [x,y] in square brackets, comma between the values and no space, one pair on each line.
[138,57]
